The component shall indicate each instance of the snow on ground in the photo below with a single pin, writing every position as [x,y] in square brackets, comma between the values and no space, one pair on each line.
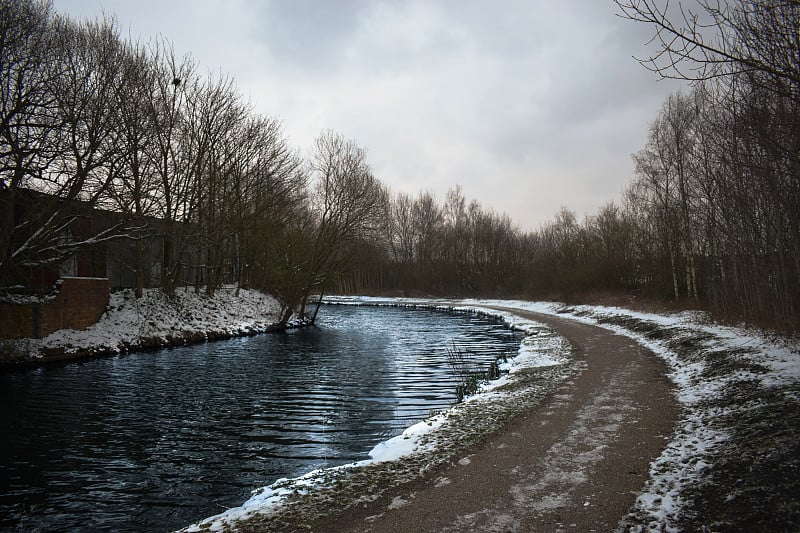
[155,320]
[432,437]
[710,364]
[707,362]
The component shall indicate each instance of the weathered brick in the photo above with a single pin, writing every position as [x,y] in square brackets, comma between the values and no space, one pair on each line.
[78,303]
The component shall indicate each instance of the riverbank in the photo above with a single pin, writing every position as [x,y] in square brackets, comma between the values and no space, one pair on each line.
[543,362]
[151,322]
[573,463]
[731,462]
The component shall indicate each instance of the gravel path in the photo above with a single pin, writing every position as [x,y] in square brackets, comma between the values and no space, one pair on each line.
[573,464]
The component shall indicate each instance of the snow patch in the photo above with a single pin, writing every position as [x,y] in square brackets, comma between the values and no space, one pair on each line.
[157,320]
[546,349]
[686,457]
[406,443]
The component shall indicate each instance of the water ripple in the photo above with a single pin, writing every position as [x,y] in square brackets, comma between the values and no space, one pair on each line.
[153,441]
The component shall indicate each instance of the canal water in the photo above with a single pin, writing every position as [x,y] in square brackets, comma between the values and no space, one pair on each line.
[155,441]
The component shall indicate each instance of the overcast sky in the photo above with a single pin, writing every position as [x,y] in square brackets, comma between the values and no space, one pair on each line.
[529,105]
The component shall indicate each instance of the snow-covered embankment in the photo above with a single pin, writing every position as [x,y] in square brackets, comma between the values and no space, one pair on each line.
[152,321]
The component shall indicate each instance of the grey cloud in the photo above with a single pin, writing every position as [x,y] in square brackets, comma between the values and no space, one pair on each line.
[307,33]
[528,104]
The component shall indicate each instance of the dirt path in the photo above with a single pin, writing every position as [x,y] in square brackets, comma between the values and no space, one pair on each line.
[573,464]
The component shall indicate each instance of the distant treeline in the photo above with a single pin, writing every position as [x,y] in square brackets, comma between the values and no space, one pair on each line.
[712,216]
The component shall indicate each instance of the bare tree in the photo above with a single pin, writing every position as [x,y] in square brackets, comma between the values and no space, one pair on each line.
[267,189]
[174,192]
[57,130]
[347,201]
[134,186]
[399,229]
[711,39]
[655,189]
[92,53]
[345,205]
[28,61]
[611,241]
[214,111]
[743,177]
[428,221]
[29,117]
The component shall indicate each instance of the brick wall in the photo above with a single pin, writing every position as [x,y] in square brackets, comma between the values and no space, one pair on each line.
[16,320]
[78,303]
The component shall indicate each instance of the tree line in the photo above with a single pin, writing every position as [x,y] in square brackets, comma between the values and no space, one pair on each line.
[91,117]
[711,217]
[719,177]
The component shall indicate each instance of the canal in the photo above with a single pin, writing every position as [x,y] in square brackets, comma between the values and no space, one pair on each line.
[155,441]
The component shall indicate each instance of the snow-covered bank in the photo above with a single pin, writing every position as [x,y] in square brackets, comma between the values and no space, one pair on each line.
[732,463]
[543,360]
[150,322]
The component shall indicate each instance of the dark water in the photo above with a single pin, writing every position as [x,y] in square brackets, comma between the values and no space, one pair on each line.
[155,441]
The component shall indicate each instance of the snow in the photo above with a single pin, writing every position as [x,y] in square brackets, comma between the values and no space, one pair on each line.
[536,350]
[684,458]
[686,455]
[407,442]
[21,299]
[158,320]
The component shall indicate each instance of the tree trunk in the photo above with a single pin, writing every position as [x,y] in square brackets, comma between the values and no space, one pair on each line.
[167,272]
[319,303]
[674,269]
[286,314]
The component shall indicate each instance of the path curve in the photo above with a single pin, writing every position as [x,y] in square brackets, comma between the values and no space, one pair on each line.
[575,463]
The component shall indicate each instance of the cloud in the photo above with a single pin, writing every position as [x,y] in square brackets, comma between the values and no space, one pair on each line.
[528,105]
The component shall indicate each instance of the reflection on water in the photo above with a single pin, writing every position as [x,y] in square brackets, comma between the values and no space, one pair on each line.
[154,441]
